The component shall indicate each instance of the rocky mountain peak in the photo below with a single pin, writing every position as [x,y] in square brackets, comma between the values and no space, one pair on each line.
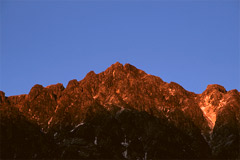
[114,67]
[56,86]
[124,112]
[90,74]
[211,101]
[233,92]
[35,90]
[130,67]
[215,88]
[119,70]
[72,83]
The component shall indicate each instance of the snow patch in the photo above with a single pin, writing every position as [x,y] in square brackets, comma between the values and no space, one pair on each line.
[56,109]
[43,131]
[113,73]
[125,144]
[145,156]
[55,134]
[80,124]
[50,120]
[125,154]
[120,111]
[95,141]
[96,96]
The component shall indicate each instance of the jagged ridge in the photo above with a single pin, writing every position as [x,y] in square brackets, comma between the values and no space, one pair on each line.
[121,91]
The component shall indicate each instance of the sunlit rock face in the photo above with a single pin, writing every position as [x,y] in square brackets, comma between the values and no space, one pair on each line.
[121,113]
[211,101]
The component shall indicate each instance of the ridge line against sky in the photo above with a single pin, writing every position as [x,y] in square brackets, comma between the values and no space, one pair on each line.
[193,43]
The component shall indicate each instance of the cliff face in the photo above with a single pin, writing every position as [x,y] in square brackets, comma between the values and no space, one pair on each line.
[122,112]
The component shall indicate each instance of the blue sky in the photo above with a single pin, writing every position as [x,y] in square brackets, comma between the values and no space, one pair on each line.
[193,43]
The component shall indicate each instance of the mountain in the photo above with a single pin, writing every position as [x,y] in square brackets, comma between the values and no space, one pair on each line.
[121,113]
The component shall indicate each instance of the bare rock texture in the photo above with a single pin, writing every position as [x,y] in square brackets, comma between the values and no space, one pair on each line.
[121,113]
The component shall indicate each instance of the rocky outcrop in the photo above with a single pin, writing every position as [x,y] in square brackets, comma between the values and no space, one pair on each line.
[124,112]
[2,97]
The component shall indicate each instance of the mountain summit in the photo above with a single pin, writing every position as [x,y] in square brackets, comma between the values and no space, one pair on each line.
[121,113]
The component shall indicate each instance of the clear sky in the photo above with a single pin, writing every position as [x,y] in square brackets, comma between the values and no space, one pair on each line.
[193,43]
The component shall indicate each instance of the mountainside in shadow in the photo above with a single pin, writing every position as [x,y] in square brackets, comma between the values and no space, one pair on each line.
[121,113]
